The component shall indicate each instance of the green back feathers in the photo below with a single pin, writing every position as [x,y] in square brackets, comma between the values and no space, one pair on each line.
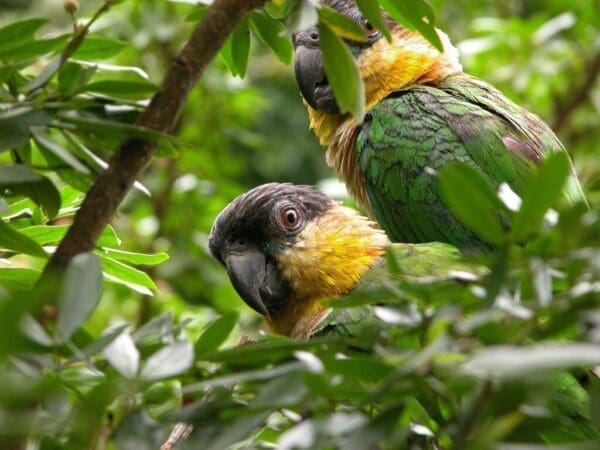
[410,136]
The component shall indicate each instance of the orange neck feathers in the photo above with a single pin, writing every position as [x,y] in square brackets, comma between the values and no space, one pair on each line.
[331,255]
[386,67]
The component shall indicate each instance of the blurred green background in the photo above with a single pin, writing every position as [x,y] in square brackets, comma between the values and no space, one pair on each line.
[238,133]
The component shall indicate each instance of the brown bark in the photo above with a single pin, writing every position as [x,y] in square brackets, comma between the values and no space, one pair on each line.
[578,95]
[134,154]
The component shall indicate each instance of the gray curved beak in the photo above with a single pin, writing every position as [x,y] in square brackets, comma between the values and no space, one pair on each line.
[247,272]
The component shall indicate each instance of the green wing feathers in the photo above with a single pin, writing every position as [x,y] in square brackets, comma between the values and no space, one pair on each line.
[409,137]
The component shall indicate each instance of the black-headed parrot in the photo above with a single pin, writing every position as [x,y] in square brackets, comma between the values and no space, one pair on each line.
[289,249]
[423,112]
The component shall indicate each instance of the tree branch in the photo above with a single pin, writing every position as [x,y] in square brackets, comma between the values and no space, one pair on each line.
[578,95]
[134,154]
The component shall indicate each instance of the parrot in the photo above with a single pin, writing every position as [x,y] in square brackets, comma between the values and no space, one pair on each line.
[289,249]
[422,114]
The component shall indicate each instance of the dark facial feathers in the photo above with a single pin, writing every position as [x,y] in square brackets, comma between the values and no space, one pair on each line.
[249,232]
[252,217]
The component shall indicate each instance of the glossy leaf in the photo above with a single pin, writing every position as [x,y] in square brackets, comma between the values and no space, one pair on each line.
[512,362]
[541,193]
[15,125]
[11,239]
[342,73]
[16,33]
[121,88]
[372,12]
[416,15]
[18,179]
[215,334]
[127,275]
[17,278]
[123,355]
[80,293]
[236,50]
[135,258]
[472,198]
[97,47]
[45,142]
[169,361]
[273,34]
[342,25]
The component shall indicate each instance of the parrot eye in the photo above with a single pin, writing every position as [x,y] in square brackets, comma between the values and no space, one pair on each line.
[369,29]
[289,218]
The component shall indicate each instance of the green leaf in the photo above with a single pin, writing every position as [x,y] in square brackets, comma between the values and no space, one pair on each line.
[541,193]
[97,47]
[46,143]
[17,33]
[45,76]
[109,238]
[342,73]
[169,361]
[473,199]
[415,15]
[79,294]
[74,178]
[342,25]
[15,124]
[33,49]
[273,34]
[123,355]
[127,275]
[244,376]
[135,258]
[372,12]
[506,362]
[11,239]
[236,50]
[18,179]
[198,14]
[215,334]
[103,341]
[113,128]
[45,234]
[17,278]
[72,76]
[278,9]
[121,88]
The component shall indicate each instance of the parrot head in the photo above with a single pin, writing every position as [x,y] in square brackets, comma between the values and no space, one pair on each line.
[286,248]
[385,66]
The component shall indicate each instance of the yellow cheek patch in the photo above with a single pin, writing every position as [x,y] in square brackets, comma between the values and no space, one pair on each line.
[330,256]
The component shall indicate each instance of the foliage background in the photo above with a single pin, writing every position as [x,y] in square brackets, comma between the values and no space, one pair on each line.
[237,133]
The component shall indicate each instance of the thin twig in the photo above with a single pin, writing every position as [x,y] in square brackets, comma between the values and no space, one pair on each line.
[472,414]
